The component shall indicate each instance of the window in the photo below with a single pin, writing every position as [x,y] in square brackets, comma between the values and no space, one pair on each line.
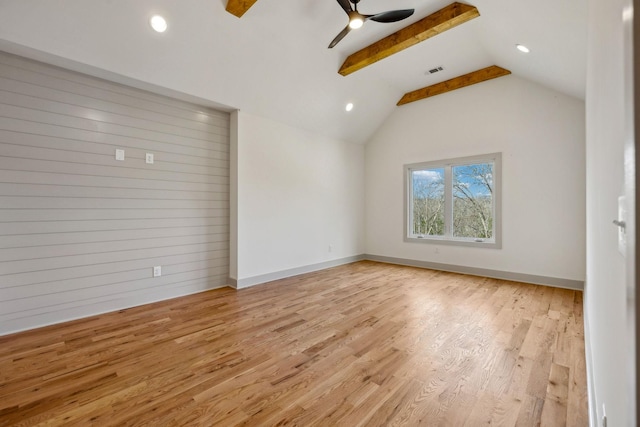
[454,201]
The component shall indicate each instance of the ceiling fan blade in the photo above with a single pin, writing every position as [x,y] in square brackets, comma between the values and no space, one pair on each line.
[391,16]
[345,5]
[340,36]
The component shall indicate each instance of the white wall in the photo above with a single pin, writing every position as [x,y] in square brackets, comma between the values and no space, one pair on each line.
[297,193]
[605,286]
[541,135]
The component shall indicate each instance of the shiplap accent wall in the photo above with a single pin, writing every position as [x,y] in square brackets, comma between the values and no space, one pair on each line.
[79,231]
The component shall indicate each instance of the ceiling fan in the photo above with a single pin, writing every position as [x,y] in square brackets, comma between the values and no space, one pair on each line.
[356,19]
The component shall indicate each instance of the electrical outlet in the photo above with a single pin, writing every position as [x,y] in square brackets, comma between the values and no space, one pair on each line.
[119,154]
[330,248]
[149,158]
[437,250]
[157,271]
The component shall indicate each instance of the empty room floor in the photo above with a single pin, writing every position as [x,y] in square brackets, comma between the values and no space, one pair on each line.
[364,344]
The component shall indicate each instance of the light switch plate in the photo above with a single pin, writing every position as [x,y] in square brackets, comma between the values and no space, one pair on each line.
[119,154]
[149,158]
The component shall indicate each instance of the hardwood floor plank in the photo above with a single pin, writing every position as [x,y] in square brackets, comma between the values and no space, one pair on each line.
[483,410]
[577,411]
[506,412]
[530,412]
[363,344]
[539,377]
[555,405]
[457,414]
[402,400]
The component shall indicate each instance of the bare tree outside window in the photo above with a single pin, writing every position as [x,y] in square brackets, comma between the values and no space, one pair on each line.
[473,201]
[428,202]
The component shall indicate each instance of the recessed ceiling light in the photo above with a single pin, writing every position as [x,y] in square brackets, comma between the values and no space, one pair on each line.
[349,106]
[158,23]
[522,48]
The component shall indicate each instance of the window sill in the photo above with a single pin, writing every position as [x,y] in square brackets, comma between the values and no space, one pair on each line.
[434,240]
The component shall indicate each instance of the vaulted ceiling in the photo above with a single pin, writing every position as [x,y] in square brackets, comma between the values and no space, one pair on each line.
[274,61]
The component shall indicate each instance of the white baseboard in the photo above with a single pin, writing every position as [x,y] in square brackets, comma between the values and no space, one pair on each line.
[484,272]
[270,277]
[556,282]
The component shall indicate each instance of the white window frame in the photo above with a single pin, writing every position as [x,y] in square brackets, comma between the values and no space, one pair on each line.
[448,238]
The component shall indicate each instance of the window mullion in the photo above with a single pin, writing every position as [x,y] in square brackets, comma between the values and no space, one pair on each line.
[409,184]
[448,202]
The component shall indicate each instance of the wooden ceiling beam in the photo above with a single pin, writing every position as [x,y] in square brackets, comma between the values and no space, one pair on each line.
[239,7]
[469,79]
[434,24]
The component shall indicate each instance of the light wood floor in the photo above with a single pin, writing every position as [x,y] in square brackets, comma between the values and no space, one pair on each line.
[365,344]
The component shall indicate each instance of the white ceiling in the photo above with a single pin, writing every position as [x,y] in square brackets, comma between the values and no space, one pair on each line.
[274,61]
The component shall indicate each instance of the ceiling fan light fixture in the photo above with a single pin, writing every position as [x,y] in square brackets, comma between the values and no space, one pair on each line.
[158,23]
[356,22]
[522,48]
